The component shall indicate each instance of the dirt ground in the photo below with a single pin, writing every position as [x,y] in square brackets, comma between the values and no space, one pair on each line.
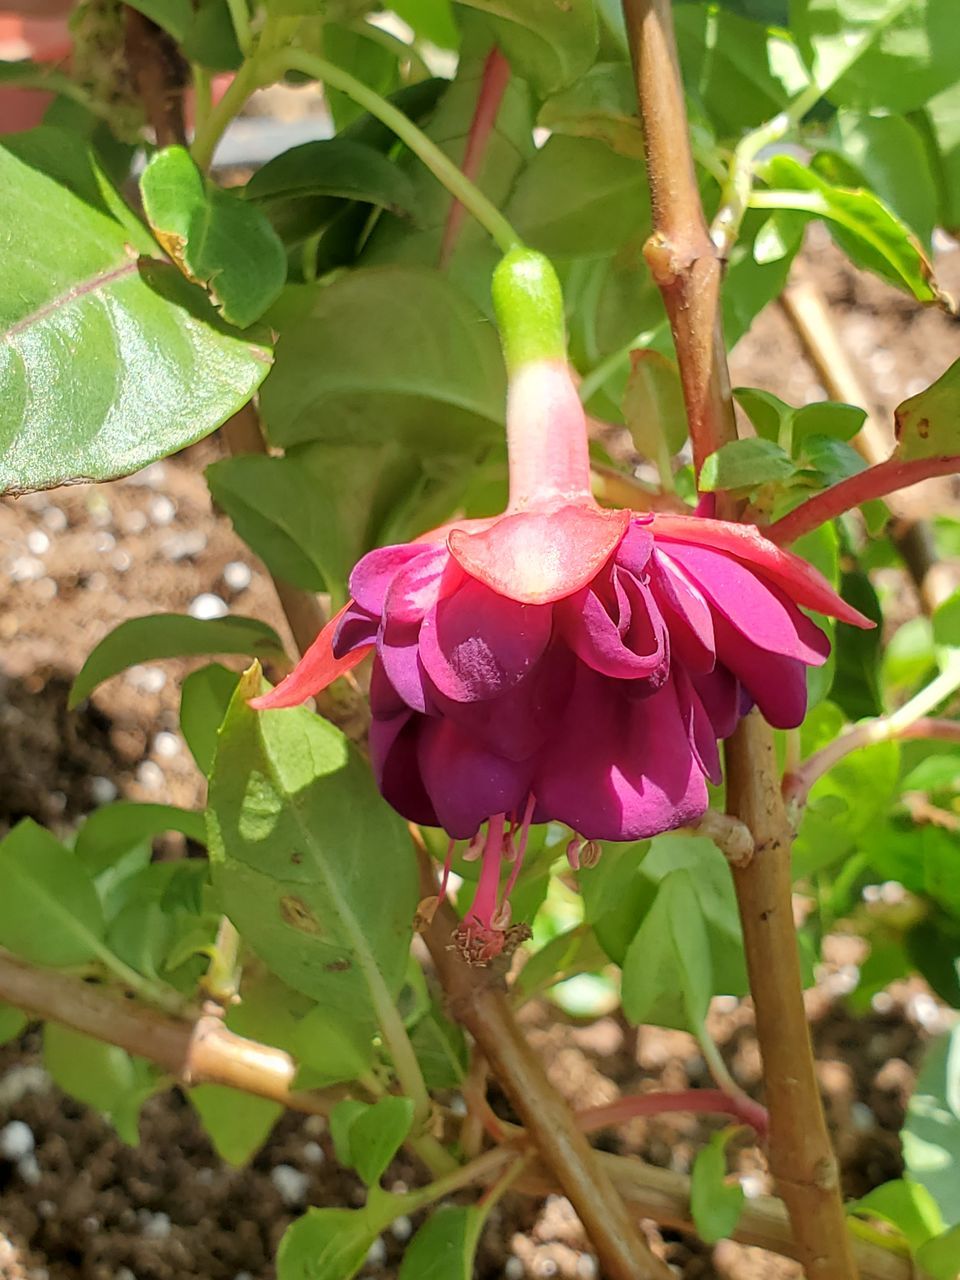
[80,1205]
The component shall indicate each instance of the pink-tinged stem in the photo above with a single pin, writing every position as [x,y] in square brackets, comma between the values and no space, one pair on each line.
[796,785]
[546,437]
[697,1101]
[493,85]
[875,482]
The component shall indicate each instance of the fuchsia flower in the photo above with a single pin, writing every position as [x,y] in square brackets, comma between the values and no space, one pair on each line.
[562,662]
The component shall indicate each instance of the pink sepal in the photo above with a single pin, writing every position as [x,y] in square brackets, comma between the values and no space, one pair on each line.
[804,584]
[315,670]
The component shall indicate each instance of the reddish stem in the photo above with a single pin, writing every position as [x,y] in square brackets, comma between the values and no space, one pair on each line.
[493,85]
[875,482]
[697,1101]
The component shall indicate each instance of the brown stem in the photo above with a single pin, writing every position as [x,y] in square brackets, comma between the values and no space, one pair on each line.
[160,75]
[807,310]
[486,1014]
[687,270]
[796,785]
[680,253]
[197,1051]
[696,1101]
[875,482]
[493,85]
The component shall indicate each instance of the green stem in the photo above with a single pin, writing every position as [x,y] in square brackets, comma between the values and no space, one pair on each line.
[427,151]
[399,48]
[397,1041]
[248,79]
[202,97]
[240,17]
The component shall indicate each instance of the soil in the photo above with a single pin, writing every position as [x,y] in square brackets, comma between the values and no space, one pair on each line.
[86,1206]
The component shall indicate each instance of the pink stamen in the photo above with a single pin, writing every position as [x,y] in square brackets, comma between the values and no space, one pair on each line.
[521,848]
[488,886]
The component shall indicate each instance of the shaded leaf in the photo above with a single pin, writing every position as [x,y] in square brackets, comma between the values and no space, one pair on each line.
[715,1203]
[204,697]
[931,1132]
[238,1124]
[548,44]
[113,829]
[928,424]
[171,635]
[667,972]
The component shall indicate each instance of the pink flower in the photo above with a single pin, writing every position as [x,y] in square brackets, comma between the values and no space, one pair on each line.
[562,662]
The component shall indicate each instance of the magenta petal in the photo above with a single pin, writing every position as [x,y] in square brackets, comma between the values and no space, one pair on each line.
[475,644]
[686,613]
[626,648]
[777,684]
[721,696]
[371,576]
[756,608]
[394,757]
[418,585]
[637,546]
[356,627]
[620,768]
[542,555]
[700,731]
[398,651]
[466,783]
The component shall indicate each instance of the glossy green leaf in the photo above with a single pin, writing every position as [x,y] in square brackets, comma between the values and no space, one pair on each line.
[601,105]
[746,464]
[869,232]
[906,1205]
[879,53]
[770,416]
[299,840]
[931,1132]
[928,424]
[204,697]
[856,683]
[338,167]
[49,910]
[715,1203]
[548,44]
[405,358]
[113,829]
[445,1246]
[328,1244]
[667,971]
[578,199]
[172,635]
[739,72]
[12,1022]
[215,238]
[238,1124]
[827,418]
[116,358]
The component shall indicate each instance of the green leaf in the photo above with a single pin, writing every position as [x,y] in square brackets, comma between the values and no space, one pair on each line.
[204,697]
[667,971]
[941,120]
[211,38]
[931,1132]
[329,1049]
[441,1050]
[341,1122]
[928,424]
[601,105]
[907,1205]
[328,1244]
[843,804]
[827,418]
[12,1022]
[171,635]
[573,952]
[653,407]
[313,868]
[746,464]
[940,1258]
[856,682]
[548,44]
[215,238]
[363,57]
[113,829]
[769,415]
[578,199]
[715,1203]
[375,1134]
[99,1075]
[49,910]
[118,359]
[737,71]
[893,54]
[336,167]
[946,621]
[432,20]
[175,16]
[870,233]
[405,357]
[238,1124]
[445,1246]
[909,656]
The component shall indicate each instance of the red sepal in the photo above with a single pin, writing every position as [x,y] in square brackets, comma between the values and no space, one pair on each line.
[315,670]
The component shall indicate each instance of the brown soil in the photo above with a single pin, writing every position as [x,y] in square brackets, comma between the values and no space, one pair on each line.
[77,562]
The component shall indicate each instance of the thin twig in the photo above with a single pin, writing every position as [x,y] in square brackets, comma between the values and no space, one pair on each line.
[686,266]
[695,1101]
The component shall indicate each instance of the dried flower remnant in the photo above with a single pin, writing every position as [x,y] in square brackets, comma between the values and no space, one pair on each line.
[562,662]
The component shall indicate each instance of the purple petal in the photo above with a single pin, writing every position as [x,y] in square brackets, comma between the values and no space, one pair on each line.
[356,628]
[721,695]
[687,614]
[419,584]
[398,651]
[476,644]
[636,548]
[757,609]
[630,644]
[620,768]
[700,730]
[466,783]
[372,576]
[778,685]
[395,761]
